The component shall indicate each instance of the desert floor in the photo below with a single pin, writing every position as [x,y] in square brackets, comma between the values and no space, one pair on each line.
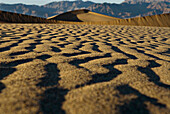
[84,69]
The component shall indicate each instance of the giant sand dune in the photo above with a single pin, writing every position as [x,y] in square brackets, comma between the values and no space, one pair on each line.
[82,15]
[162,20]
[84,69]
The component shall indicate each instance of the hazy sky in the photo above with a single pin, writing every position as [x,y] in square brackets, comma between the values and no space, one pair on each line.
[42,2]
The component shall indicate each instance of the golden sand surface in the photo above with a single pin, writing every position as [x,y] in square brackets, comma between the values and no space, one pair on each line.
[84,69]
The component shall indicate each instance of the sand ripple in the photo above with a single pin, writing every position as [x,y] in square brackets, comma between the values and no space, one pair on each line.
[81,69]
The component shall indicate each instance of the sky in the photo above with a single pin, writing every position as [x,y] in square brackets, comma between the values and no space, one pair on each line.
[42,2]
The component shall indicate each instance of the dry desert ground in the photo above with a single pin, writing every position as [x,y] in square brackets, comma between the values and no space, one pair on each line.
[84,69]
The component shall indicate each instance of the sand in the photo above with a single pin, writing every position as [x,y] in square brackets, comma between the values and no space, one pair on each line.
[82,15]
[10,17]
[84,69]
[86,17]
[162,20]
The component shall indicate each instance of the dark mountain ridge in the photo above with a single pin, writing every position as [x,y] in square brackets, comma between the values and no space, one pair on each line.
[146,1]
[127,9]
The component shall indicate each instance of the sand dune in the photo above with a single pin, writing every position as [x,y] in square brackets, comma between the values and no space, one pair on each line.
[82,15]
[87,17]
[162,20]
[84,69]
[90,18]
[9,17]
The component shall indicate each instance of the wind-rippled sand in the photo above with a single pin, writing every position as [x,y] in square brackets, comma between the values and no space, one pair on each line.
[81,69]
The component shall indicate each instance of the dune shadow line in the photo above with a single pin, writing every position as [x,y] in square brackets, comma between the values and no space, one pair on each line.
[8,68]
[153,77]
[4,72]
[53,97]
[113,73]
[120,51]
[71,15]
[136,105]
[105,77]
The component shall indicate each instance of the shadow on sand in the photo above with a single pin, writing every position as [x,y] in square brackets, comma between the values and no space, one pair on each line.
[53,97]
[136,105]
[4,72]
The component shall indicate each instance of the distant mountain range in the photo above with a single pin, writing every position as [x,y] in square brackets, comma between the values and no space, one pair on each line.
[146,1]
[127,9]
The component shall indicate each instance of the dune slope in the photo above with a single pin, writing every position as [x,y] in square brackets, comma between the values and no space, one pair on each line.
[82,15]
[162,20]
[9,17]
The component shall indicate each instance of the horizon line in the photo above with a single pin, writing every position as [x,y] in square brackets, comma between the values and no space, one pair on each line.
[60,1]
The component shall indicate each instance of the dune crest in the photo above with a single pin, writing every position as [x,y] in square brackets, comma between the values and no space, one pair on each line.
[82,15]
[162,20]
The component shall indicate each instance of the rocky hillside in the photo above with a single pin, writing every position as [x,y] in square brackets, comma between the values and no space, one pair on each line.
[127,9]
[146,1]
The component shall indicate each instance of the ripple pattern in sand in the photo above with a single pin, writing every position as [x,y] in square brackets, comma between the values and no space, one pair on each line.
[49,68]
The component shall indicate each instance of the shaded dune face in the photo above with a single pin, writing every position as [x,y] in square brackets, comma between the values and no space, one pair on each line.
[69,16]
[10,17]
